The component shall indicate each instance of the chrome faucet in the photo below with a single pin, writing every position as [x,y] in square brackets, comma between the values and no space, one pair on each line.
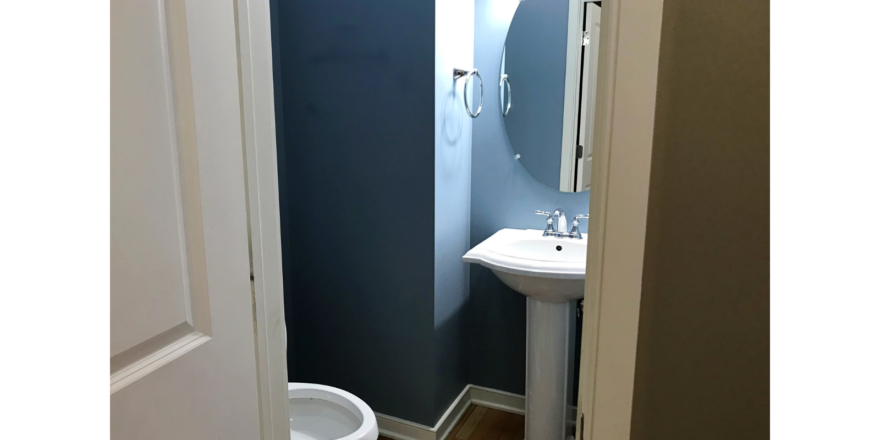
[561,224]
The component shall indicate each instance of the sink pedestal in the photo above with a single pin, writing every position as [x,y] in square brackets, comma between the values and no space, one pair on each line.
[550,272]
[548,379]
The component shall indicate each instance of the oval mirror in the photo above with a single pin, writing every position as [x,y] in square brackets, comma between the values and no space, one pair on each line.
[548,89]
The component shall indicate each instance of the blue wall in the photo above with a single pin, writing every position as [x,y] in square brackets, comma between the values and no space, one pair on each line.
[375,173]
[454,48]
[535,62]
[503,195]
[356,134]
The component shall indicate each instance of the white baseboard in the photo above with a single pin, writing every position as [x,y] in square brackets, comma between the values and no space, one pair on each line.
[400,429]
[453,413]
[510,402]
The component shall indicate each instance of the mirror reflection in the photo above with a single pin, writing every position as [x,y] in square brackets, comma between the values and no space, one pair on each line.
[549,67]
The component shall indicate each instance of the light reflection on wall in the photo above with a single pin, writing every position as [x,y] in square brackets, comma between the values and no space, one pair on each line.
[503,10]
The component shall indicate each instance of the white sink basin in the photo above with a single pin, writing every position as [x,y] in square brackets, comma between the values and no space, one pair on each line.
[548,269]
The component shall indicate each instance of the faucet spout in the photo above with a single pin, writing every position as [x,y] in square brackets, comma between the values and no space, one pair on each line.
[561,223]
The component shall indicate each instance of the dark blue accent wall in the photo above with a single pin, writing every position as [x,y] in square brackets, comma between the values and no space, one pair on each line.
[535,63]
[356,137]
[503,195]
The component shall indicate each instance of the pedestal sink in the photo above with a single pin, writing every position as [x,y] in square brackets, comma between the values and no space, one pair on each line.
[550,272]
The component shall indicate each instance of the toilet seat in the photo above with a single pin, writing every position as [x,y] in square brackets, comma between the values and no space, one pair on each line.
[320,412]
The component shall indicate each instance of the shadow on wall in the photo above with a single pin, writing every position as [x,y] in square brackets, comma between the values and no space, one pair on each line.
[503,195]
[453,118]
[450,360]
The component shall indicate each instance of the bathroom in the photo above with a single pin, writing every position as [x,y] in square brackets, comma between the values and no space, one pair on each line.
[386,183]
[464,258]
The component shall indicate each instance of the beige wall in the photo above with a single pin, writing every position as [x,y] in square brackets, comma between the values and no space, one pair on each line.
[702,368]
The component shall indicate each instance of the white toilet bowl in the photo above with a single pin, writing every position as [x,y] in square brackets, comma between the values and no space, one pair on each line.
[319,412]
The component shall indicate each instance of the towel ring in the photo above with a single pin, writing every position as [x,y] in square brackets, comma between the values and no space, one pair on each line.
[505,79]
[458,73]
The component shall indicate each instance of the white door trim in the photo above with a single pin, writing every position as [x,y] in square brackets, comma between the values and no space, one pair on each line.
[624,128]
[258,132]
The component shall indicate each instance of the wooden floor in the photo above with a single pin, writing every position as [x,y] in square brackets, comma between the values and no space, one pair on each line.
[481,423]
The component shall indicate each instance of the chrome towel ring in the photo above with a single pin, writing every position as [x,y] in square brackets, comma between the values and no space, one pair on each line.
[467,74]
[505,79]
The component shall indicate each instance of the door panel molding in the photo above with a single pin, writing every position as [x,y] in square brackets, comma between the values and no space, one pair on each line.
[180,76]
[134,213]
[148,356]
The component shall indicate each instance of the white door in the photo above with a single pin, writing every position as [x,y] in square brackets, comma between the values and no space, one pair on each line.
[589,75]
[182,360]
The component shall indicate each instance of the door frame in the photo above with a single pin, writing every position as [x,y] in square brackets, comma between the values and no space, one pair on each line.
[622,144]
[256,92]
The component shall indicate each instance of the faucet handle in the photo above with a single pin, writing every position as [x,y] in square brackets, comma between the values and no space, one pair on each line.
[575,232]
[549,216]
[549,229]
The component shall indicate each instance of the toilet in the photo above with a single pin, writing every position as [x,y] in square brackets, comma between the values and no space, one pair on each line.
[320,412]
